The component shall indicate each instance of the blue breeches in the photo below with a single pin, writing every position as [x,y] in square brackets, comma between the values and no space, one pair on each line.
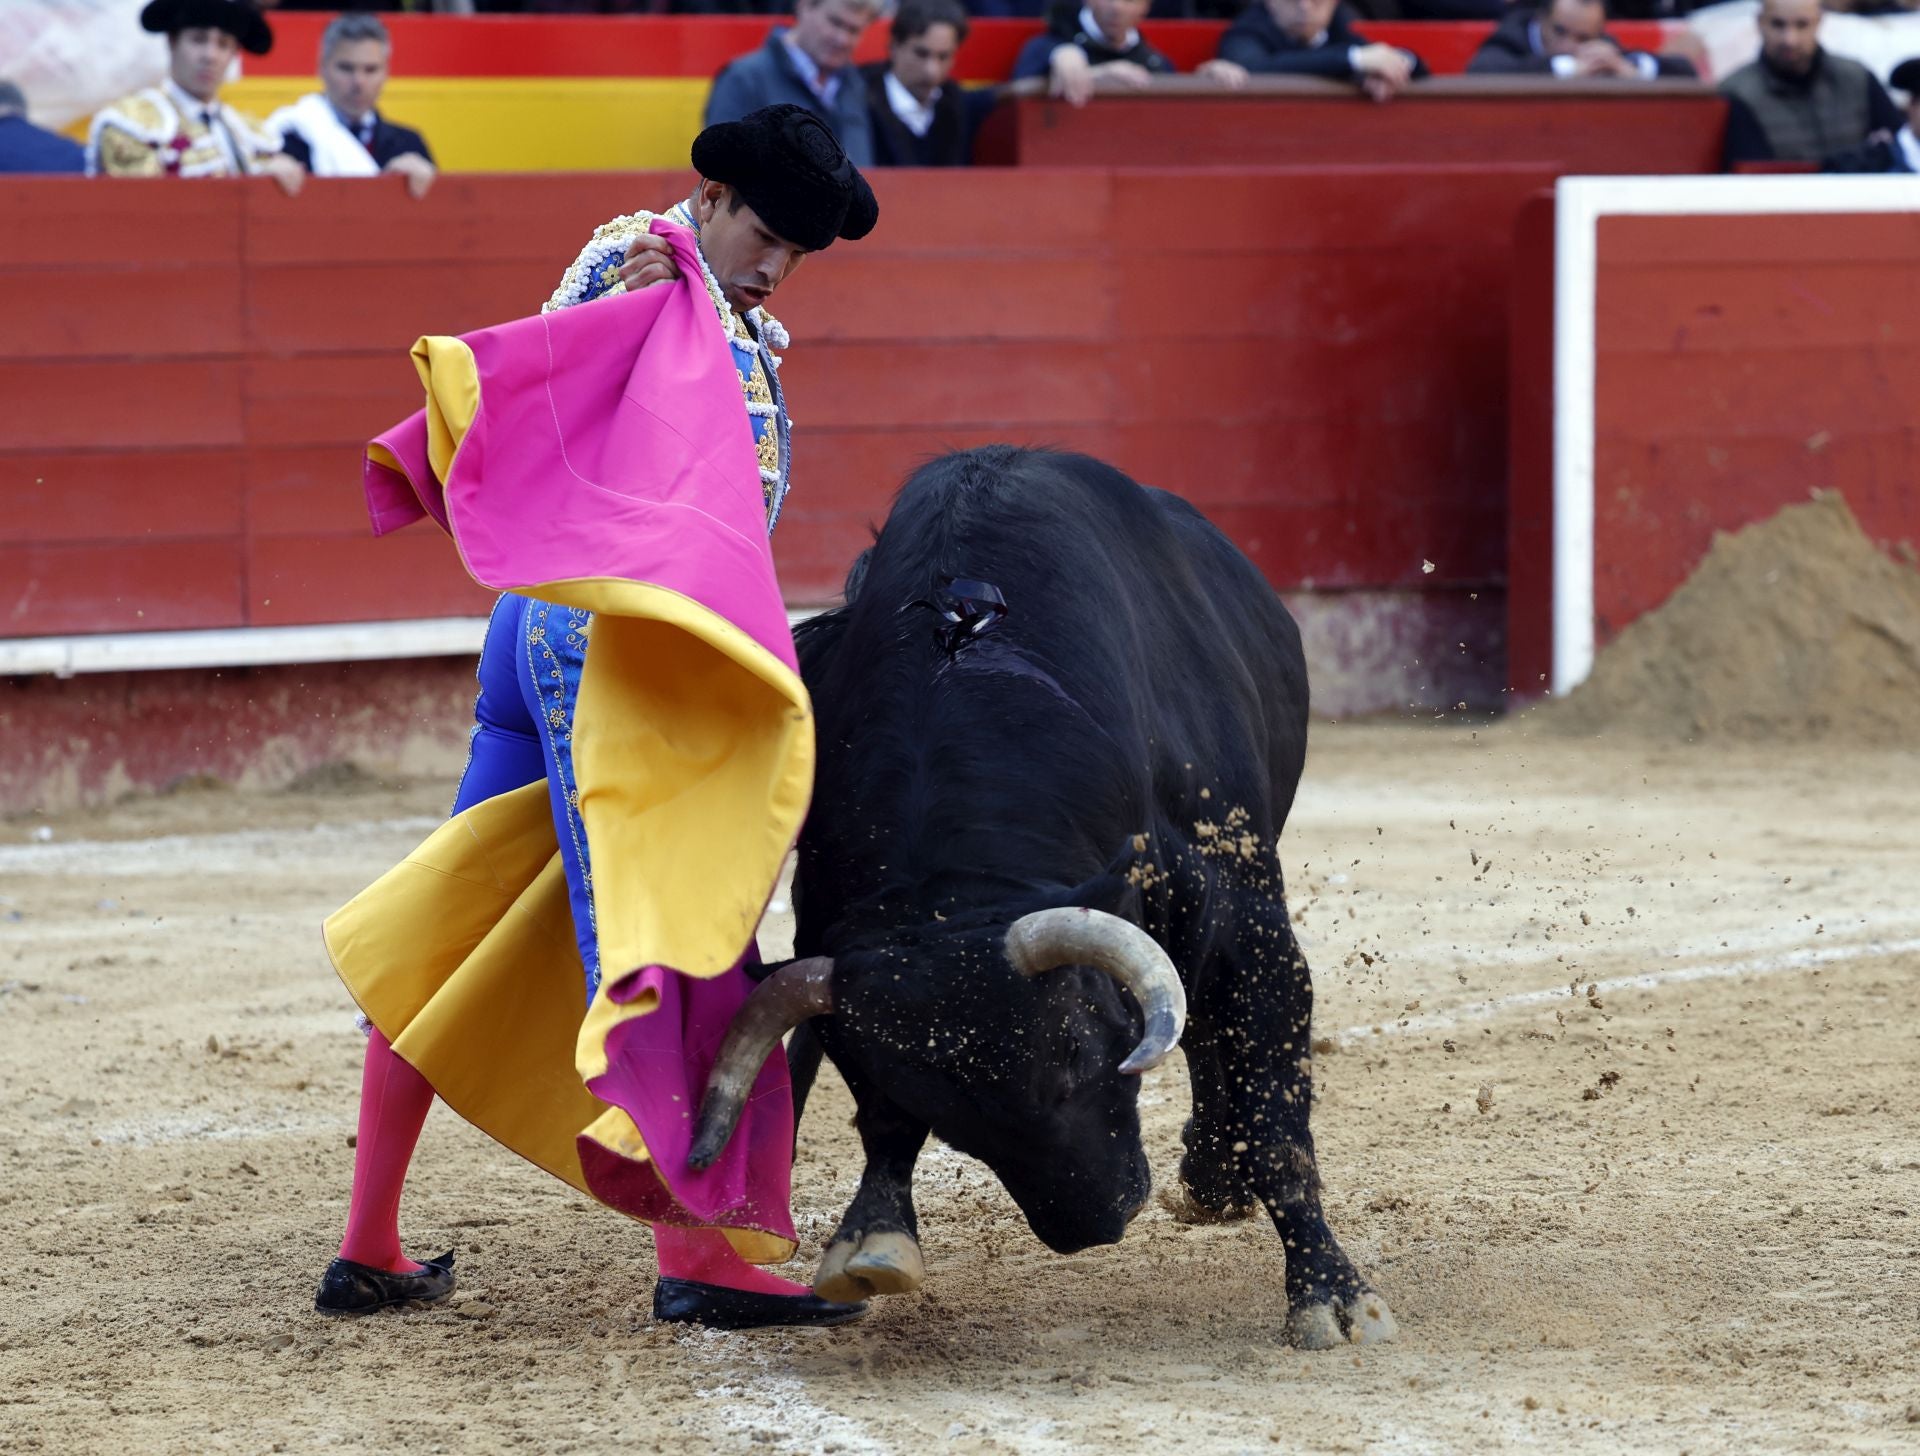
[523,731]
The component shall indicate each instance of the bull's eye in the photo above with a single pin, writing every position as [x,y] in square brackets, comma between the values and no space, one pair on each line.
[1056,1084]
[1068,1069]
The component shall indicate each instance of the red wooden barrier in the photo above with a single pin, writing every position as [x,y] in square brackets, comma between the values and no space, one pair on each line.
[1751,341]
[1737,369]
[699,45]
[1322,374]
[1578,127]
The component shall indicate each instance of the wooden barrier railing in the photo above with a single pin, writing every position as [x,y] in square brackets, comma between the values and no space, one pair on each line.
[1569,126]
[1725,346]
[187,371]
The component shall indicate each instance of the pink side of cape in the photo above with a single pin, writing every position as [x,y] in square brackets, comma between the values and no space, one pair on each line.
[611,442]
[657,1068]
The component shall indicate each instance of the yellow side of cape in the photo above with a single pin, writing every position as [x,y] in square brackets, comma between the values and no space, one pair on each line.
[693,752]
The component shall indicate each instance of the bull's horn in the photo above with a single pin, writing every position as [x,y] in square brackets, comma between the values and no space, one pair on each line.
[1048,939]
[788,997]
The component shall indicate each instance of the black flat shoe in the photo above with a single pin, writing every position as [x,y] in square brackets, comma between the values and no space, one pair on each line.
[350,1288]
[682,1302]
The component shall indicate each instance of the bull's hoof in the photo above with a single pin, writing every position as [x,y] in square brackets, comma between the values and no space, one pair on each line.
[1185,1207]
[1359,1319]
[887,1262]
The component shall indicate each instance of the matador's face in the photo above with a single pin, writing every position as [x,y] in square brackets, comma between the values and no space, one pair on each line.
[198,58]
[748,258]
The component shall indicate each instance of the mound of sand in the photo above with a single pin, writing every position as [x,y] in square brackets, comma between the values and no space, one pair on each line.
[1794,628]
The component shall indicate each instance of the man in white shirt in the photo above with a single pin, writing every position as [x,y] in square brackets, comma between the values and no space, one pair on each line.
[920,119]
[182,128]
[340,132]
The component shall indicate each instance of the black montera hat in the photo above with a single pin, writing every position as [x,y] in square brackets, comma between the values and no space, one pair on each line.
[1906,76]
[789,168]
[236,17]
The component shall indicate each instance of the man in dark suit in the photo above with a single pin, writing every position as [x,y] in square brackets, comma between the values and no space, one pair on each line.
[810,64]
[340,132]
[1567,39]
[1316,38]
[919,119]
[25,147]
[1098,43]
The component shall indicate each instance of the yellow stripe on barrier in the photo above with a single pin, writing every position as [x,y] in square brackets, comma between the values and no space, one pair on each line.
[526,124]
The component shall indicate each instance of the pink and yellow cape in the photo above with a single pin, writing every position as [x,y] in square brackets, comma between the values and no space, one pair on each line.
[599,457]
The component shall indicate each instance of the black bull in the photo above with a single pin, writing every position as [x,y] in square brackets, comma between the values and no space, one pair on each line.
[1126,739]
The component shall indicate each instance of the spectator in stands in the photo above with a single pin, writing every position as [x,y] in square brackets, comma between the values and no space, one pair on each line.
[810,64]
[918,119]
[1798,102]
[339,132]
[1568,39]
[1899,152]
[182,128]
[25,147]
[1099,42]
[1316,38]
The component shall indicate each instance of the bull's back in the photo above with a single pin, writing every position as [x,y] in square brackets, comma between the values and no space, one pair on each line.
[1123,602]
[1141,603]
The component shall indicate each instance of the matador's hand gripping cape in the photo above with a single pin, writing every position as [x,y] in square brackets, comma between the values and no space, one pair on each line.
[600,457]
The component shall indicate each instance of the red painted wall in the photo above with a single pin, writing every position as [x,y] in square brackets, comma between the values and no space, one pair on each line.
[180,422]
[1741,364]
[93,738]
[699,45]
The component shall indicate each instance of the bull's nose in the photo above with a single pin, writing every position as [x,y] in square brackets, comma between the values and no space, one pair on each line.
[1068,1231]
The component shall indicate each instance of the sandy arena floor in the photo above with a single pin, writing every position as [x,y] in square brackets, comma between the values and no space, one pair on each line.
[1621,1117]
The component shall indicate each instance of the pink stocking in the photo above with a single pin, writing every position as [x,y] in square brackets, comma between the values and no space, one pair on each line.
[705,1257]
[394,1099]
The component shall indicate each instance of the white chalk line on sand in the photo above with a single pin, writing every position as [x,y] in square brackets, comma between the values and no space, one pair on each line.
[759,1399]
[1803,959]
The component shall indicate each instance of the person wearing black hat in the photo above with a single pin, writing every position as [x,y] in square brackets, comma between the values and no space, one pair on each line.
[181,128]
[775,187]
[1897,151]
